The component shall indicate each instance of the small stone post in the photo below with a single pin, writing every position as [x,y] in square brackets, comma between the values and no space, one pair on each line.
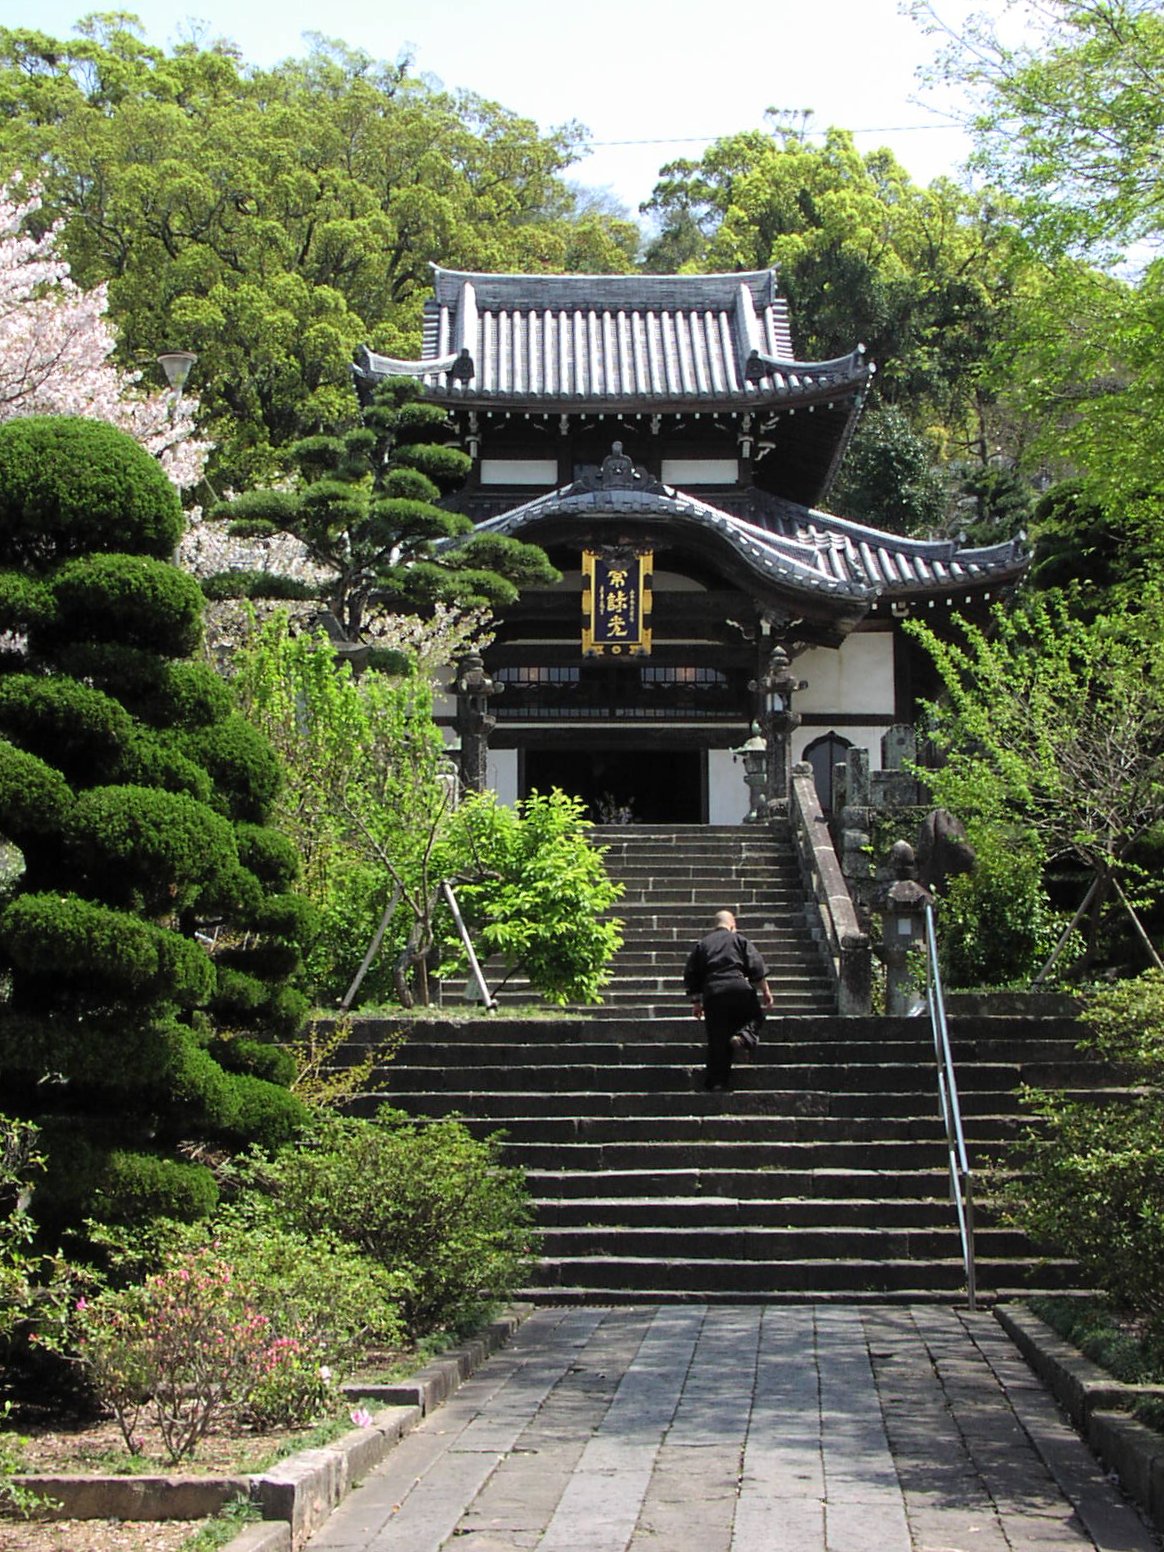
[903,929]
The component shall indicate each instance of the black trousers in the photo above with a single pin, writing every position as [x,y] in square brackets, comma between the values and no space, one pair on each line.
[728,1006]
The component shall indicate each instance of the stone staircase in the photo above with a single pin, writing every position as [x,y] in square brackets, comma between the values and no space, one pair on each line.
[821,1176]
[674,880]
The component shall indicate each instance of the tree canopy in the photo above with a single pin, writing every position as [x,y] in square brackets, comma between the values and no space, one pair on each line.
[1071,122]
[921,276]
[272,220]
[365,511]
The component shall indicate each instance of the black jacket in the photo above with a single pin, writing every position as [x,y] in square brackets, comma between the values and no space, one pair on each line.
[718,959]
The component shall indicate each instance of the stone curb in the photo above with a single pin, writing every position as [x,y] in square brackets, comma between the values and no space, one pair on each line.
[300,1492]
[1097,1405]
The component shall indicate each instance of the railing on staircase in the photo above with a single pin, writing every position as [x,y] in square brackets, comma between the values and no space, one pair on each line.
[961,1193]
[848,950]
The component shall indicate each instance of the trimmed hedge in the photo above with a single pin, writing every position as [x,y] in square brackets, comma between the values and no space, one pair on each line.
[241,763]
[147,849]
[72,946]
[35,799]
[269,854]
[81,731]
[137,1187]
[131,599]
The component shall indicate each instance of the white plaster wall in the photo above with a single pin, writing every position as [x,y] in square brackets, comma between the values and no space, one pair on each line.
[519,471]
[700,471]
[727,796]
[856,677]
[501,774]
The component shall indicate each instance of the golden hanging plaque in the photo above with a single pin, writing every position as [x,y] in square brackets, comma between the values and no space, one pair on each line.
[616,602]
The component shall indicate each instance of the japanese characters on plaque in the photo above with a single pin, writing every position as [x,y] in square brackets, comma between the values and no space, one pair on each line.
[616,602]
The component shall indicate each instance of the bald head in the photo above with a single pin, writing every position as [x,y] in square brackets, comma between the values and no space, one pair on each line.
[725,919]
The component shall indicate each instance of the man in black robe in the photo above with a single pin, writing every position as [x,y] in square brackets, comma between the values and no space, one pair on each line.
[727,982]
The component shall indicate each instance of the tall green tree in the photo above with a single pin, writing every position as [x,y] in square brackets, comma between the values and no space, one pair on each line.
[922,277]
[272,220]
[370,806]
[1070,121]
[1054,725]
[150,936]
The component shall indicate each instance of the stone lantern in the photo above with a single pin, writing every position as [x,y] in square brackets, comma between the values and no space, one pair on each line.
[775,688]
[474,722]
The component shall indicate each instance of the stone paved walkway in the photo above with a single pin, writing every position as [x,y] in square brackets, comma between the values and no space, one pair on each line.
[744,1429]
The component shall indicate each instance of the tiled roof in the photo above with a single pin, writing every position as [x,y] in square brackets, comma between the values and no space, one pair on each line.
[648,342]
[798,548]
[890,563]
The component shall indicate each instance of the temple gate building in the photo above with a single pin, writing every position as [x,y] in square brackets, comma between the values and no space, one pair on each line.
[657,436]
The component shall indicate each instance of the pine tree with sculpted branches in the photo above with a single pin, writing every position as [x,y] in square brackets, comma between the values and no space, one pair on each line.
[56,350]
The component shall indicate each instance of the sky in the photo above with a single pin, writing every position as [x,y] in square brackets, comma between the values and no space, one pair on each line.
[651,80]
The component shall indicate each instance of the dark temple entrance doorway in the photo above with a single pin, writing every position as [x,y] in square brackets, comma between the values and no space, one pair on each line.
[657,786]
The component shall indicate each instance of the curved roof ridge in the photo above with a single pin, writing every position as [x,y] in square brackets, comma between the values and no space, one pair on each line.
[778,555]
[849,528]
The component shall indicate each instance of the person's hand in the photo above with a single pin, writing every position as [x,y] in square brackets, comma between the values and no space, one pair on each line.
[766,999]
[697,1009]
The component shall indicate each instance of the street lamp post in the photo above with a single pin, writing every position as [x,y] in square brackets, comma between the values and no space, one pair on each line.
[176,364]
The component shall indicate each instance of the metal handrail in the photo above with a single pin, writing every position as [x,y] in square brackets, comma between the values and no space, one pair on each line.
[961,1180]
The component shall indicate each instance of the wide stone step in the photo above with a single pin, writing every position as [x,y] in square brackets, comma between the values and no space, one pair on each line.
[987,1111]
[699,1211]
[728,1276]
[750,1242]
[807,1183]
[526,1131]
[677,1075]
[811,1282]
[760,1154]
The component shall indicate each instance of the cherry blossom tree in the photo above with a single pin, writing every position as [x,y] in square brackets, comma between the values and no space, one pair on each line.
[56,350]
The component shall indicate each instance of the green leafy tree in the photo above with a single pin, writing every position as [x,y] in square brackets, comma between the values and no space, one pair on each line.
[890,477]
[366,513]
[362,802]
[922,277]
[150,939]
[536,892]
[368,803]
[1055,724]
[273,220]
[1071,122]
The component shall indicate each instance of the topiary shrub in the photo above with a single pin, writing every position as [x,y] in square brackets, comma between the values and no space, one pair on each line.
[35,799]
[242,764]
[132,600]
[75,487]
[123,772]
[136,1187]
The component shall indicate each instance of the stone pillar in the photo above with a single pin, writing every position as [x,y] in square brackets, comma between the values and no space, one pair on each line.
[474,723]
[896,781]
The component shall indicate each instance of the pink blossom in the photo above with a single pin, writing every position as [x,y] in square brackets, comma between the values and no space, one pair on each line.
[361,1417]
[56,350]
